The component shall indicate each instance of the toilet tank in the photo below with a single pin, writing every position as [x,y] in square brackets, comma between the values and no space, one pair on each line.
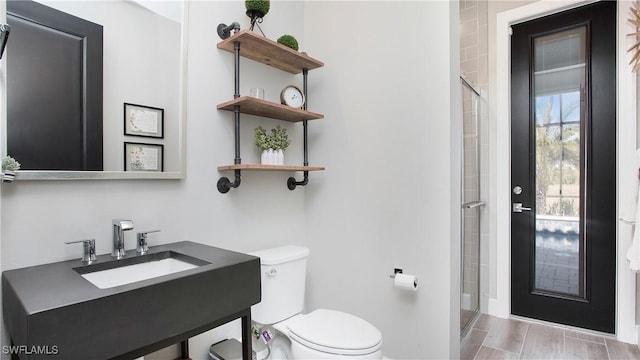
[283,272]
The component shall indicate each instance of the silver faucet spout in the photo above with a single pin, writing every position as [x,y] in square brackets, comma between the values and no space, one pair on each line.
[119,227]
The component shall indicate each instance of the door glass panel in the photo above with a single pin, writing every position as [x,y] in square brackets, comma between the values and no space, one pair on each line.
[559,82]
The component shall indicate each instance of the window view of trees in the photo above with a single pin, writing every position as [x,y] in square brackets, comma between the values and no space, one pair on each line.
[558,154]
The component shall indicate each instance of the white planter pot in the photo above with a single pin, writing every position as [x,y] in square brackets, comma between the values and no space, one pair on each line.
[267,157]
[279,157]
[8,176]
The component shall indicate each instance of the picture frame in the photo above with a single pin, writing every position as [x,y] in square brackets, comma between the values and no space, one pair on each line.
[143,157]
[141,120]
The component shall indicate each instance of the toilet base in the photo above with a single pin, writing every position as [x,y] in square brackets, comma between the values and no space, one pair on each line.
[280,349]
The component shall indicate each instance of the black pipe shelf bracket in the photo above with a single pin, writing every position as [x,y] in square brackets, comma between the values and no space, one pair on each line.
[224,184]
[264,50]
[292,182]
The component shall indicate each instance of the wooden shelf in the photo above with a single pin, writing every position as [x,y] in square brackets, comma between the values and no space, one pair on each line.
[268,52]
[254,106]
[270,167]
[258,48]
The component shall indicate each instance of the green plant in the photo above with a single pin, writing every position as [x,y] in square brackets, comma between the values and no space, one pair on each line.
[276,139]
[9,163]
[280,138]
[259,8]
[262,139]
[288,41]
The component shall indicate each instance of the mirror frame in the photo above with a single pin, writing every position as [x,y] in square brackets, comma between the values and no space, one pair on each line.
[117,175]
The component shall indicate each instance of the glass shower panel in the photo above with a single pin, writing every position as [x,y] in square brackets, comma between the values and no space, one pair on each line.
[471,205]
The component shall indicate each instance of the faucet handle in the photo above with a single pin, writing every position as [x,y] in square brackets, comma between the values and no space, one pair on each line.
[141,243]
[88,249]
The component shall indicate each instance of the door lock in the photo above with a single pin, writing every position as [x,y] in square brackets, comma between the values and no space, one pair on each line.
[518,208]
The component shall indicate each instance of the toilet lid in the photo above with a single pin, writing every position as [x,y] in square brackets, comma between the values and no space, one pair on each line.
[336,332]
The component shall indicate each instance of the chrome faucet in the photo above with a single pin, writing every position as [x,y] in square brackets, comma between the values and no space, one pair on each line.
[119,227]
[88,250]
[142,247]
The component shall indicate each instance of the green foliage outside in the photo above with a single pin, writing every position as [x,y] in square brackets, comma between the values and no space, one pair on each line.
[557,162]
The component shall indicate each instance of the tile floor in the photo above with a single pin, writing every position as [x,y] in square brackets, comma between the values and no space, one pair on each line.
[493,338]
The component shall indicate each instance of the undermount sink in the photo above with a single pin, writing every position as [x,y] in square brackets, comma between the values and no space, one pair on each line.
[138,268]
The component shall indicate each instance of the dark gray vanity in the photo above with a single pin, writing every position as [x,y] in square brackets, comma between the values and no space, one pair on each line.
[52,310]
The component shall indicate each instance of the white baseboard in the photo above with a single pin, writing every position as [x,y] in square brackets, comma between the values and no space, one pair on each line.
[494,308]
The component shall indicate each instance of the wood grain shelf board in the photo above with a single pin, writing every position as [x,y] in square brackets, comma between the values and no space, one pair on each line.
[254,106]
[266,51]
[270,167]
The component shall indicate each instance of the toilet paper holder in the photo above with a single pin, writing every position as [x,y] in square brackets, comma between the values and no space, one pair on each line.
[404,281]
[395,271]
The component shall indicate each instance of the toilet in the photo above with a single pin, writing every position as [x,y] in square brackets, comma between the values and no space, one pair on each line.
[320,334]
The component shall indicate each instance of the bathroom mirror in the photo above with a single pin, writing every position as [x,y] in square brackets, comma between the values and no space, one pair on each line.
[144,57]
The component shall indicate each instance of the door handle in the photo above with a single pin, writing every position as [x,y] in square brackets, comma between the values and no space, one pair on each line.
[473,204]
[518,208]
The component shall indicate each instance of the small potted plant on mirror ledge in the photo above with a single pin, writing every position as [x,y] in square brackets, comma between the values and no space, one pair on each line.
[9,168]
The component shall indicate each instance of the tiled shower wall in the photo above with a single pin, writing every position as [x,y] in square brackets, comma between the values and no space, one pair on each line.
[474,68]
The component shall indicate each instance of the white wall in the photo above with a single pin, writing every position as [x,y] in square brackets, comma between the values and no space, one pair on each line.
[46,213]
[41,215]
[385,199]
[389,197]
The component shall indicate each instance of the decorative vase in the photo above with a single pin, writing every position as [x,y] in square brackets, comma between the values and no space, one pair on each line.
[267,157]
[279,157]
[8,176]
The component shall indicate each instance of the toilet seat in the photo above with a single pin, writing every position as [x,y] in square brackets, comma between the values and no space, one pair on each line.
[334,332]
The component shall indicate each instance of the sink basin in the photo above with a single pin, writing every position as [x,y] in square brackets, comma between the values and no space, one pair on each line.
[138,268]
[128,274]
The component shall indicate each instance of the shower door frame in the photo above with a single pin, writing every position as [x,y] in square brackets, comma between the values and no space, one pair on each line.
[478,204]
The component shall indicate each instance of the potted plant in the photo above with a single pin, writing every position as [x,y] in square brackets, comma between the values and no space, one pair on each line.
[256,10]
[288,41]
[272,144]
[264,142]
[280,143]
[9,168]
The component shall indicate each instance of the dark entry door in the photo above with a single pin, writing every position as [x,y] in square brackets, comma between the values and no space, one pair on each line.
[563,146]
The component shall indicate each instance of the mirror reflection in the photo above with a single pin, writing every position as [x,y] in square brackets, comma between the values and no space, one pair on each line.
[141,53]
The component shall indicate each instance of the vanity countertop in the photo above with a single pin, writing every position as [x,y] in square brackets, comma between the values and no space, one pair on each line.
[54,307]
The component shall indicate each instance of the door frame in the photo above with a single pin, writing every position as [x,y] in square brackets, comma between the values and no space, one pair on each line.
[500,306]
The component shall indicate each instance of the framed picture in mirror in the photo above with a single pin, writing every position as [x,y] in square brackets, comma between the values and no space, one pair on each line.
[143,157]
[140,120]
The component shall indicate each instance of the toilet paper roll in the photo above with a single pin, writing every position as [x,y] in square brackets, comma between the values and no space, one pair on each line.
[406,282]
